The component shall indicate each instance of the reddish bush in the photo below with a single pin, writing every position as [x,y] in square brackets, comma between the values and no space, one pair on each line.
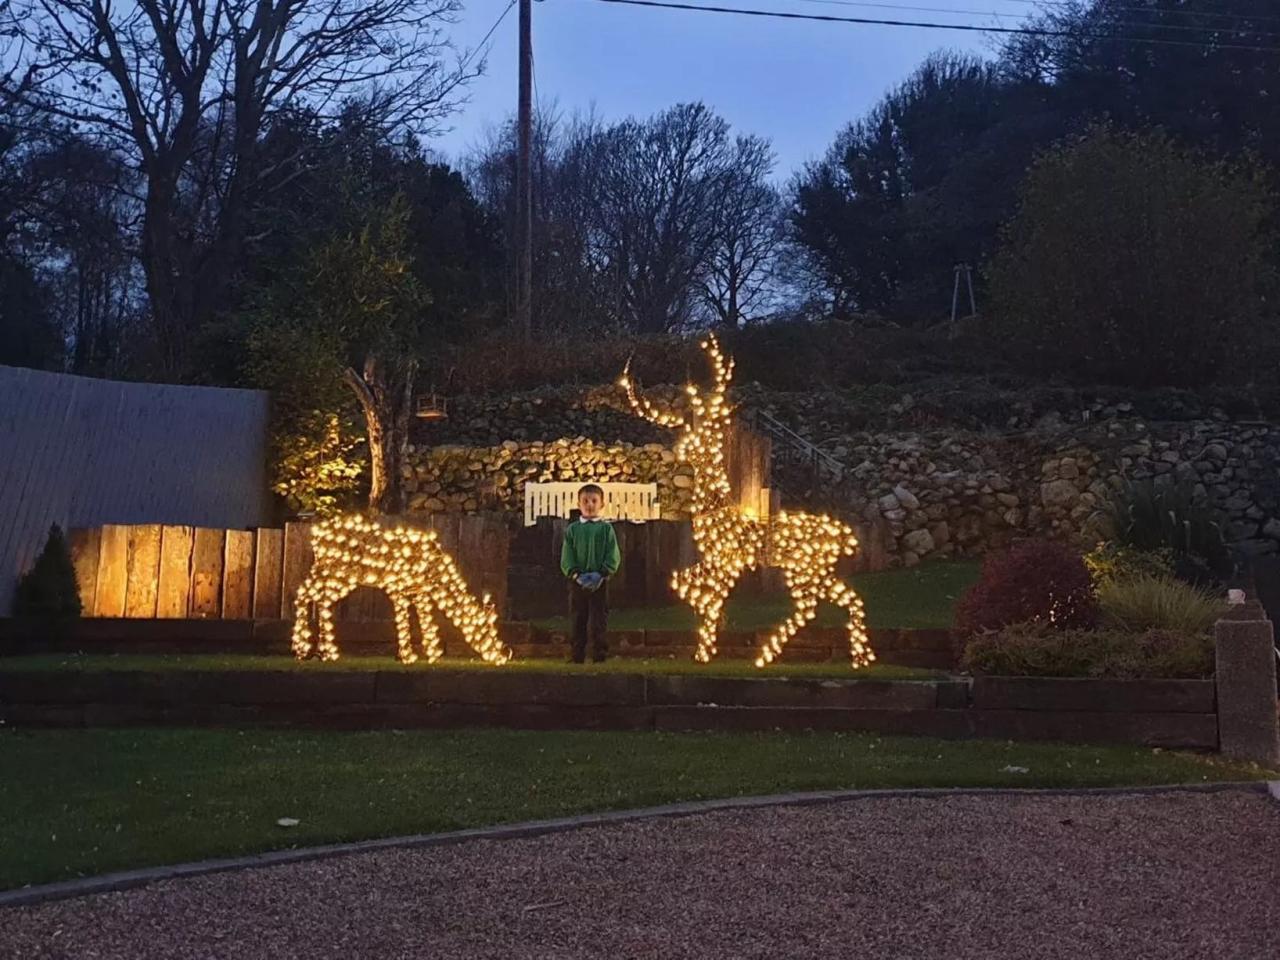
[1033,581]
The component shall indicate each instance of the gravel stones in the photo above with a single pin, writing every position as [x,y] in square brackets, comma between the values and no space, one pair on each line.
[1169,876]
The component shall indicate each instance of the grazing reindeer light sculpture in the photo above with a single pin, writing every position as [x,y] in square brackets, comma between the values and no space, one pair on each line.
[414,571]
[805,547]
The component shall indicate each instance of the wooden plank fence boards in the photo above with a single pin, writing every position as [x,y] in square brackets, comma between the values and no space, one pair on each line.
[84,545]
[268,568]
[297,561]
[173,591]
[206,572]
[113,572]
[237,576]
[143,570]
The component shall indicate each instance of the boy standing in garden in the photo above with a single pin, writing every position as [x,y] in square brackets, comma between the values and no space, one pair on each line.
[589,558]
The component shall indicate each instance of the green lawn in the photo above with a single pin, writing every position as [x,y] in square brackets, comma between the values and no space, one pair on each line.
[720,667]
[80,802]
[921,597]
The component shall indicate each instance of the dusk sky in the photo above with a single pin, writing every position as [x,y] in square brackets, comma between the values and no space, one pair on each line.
[797,83]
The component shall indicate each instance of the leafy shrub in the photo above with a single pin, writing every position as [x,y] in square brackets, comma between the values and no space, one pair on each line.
[1035,580]
[1037,650]
[1147,516]
[315,464]
[1110,561]
[49,591]
[316,456]
[1158,602]
[1092,276]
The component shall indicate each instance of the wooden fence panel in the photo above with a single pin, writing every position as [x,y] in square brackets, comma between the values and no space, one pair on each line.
[268,568]
[85,544]
[144,570]
[206,572]
[237,576]
[158,571]
[495,548]
[113,572]
[173,592]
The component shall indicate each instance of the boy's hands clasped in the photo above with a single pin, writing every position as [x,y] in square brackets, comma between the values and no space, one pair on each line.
[590,581]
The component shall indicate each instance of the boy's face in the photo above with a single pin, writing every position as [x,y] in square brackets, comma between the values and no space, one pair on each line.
[590,504]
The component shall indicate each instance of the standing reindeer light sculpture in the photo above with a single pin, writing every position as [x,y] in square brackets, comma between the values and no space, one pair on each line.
[805,547]
[414,571]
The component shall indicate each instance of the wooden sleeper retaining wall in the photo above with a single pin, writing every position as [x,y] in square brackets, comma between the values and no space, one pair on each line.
[1159,713]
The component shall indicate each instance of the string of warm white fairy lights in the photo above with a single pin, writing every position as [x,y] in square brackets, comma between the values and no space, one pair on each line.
[414,571]
[805,547]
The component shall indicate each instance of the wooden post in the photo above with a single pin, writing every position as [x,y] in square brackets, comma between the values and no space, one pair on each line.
[206,573]
[237,576]
[144,571]
[113,572]
[268,568]
[297,561]
[85,544]
[173,595]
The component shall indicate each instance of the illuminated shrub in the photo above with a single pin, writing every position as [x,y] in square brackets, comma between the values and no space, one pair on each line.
[1033,581]
[1110,561]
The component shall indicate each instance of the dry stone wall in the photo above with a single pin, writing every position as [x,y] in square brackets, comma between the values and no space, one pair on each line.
[916,494]
[461,478]
[942,493]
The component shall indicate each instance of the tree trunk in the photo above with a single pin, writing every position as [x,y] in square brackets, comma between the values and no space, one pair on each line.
[385,392]
[161,262]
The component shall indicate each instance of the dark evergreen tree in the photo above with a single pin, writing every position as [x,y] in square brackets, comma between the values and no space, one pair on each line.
[48,591]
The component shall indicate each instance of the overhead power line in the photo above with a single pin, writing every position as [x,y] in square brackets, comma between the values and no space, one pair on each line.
[502,16]
[1042,4]
[1069,5]
[925,25]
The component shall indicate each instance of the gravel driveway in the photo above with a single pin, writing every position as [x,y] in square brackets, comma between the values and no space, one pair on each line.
[1165,876]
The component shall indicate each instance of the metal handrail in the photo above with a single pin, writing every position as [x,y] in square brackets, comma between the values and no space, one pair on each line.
[782,432]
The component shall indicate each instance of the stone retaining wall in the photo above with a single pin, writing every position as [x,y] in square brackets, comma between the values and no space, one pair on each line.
[915,494]
[935,495]
[460,478]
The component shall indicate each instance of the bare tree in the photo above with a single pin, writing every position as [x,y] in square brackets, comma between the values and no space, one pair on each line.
[655,218]
[646,225]
[749,231]
[185,89]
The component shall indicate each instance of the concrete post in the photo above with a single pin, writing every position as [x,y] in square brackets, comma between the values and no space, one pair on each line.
[1246,682]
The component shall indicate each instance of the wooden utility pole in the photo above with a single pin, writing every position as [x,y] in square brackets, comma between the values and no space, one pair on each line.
[524,177]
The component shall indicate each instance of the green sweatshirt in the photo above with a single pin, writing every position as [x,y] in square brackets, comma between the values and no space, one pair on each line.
[590,546]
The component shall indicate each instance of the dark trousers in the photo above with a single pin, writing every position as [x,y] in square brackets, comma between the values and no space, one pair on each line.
[590,621]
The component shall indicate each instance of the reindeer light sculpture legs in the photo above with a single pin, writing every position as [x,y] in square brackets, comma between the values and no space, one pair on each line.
[805,547]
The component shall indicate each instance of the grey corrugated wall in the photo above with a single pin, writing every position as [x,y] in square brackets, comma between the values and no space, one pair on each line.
[82,452]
